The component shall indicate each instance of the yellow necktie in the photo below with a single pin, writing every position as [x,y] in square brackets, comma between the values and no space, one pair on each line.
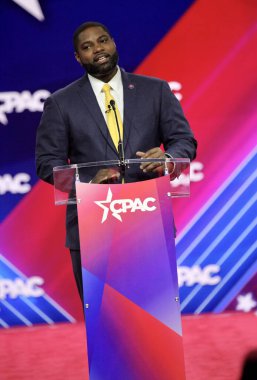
[110,116]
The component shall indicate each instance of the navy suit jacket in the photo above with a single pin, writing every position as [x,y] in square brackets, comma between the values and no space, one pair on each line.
[73,129]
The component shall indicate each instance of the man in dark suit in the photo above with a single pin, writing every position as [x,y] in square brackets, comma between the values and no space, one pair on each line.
[73,127]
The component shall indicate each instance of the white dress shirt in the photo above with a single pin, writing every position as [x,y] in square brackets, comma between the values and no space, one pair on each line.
[116,91]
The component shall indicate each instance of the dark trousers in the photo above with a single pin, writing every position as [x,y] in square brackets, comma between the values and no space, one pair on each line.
[76,265]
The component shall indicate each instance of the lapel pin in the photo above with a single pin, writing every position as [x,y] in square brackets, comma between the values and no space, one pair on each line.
[131,86]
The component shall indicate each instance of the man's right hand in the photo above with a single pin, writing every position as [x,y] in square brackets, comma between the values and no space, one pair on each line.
[106,176]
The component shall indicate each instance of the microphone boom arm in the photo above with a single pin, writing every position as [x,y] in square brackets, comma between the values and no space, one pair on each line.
[120,142]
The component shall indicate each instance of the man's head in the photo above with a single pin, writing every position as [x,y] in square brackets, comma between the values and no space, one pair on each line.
[95,50]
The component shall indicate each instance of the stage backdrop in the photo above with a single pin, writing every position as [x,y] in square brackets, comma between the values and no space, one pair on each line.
[206,50]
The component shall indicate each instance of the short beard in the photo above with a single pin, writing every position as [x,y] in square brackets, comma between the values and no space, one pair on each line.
[102,71]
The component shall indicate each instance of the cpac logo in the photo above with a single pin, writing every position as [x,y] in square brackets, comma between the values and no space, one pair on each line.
[19,287]
[121,206]
[13,101]
[32,7]
[196,275]
[17,184]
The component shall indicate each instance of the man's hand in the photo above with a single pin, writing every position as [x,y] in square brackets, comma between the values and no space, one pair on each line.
[106,176]
[151,153]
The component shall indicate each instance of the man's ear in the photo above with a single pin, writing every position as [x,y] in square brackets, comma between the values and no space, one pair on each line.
[77,57]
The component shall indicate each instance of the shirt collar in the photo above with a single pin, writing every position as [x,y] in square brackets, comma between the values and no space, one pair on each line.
[115,82]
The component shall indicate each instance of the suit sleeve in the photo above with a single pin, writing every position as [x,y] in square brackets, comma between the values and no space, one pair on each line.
[52,144]
[177,136]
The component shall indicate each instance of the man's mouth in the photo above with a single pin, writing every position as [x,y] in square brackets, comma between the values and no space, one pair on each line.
[101,58]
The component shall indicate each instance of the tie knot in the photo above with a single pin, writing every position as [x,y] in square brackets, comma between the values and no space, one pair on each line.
[106,88]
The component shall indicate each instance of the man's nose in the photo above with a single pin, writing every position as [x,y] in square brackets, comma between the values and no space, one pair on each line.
[98,47]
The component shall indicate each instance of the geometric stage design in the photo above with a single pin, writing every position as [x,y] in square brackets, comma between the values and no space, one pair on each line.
[227,239]
[132,309]
[210,65]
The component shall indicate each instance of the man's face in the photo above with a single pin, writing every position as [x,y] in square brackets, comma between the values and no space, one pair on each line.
[96,52]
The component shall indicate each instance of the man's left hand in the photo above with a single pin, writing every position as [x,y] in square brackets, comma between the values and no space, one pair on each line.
[151,153]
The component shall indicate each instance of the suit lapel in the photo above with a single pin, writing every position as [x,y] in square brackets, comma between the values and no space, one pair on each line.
[87,94]
[129,92]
